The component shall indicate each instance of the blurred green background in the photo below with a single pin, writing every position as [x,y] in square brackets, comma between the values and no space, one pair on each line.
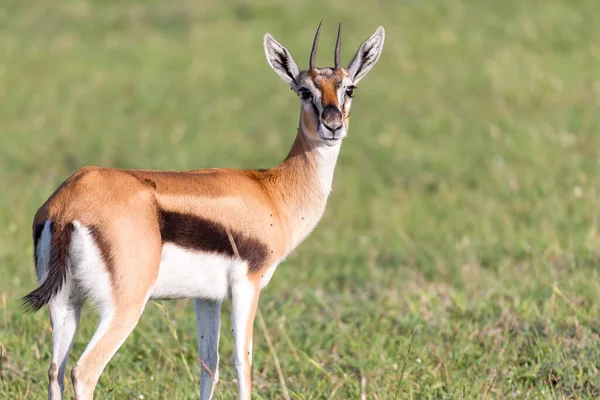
[459,254]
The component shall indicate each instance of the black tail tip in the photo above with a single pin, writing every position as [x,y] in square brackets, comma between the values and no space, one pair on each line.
[33,302]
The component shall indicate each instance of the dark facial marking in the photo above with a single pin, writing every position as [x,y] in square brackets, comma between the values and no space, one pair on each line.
[314,108]
[201,234]
[331,118]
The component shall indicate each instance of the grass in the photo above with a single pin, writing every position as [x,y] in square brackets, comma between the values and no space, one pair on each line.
[459,254]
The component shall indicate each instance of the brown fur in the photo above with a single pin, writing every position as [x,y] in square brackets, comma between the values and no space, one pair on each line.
[131,213]
[328,92]
[105,250]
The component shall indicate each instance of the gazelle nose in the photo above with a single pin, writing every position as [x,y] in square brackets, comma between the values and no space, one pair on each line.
[332,127]
[331,118]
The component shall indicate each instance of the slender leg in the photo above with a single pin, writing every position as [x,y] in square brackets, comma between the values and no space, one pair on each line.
[64,318]
[208,321]
[244,295]
[118,282]
[114,327]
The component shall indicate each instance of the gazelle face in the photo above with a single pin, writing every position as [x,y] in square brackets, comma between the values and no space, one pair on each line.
[325,93]
[326,96]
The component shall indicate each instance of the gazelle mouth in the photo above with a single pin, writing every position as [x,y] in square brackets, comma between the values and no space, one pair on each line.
[332,141]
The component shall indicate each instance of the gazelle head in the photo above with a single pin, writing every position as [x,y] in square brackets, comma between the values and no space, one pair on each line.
[326,93]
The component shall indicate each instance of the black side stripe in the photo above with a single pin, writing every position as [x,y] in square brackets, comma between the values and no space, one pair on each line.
[197,233]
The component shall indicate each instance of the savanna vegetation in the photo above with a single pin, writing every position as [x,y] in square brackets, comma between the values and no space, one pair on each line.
[459,254]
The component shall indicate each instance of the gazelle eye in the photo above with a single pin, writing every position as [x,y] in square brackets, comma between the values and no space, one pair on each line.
[305,94]
[350,91]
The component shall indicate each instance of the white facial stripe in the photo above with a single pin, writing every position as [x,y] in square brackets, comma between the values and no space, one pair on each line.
[309,84]
[345,101]
[341,95]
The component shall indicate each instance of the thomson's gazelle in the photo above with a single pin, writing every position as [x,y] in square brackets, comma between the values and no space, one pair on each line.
[122,237]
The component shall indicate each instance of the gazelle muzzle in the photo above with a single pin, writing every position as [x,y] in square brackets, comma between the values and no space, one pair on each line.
[332,119]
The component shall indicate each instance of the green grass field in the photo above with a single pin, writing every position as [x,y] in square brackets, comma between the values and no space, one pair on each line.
[459,254]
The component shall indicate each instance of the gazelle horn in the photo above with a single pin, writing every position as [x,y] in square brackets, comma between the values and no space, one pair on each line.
[338,45]
[313,52]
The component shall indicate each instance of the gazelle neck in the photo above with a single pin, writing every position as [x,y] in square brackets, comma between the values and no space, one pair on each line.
[302,184]
[314,161]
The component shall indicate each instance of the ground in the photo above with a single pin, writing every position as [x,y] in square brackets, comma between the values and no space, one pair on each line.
[459,254]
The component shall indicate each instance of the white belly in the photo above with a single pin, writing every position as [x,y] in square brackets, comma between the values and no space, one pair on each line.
[184,273]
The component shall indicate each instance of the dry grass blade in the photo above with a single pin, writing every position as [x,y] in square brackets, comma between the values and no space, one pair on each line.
[567,301]
[363,387]
[489,385]
[336,388]
[232,242]
[210,373]
[206,369]
[176,337]
[412,337]
[289,342]
[263,326]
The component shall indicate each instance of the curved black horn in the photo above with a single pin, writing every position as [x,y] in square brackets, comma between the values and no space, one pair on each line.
[338,45]
[313,52]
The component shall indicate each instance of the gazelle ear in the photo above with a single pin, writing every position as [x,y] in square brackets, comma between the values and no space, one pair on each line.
[366,56]
[280,59]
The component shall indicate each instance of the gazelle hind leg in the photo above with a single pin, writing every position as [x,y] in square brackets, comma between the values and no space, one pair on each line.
[65,309]
[208,320]
[120,303]
[116,323]
[244,296]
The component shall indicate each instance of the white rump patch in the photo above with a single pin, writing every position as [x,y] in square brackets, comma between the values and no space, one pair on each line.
[89,270]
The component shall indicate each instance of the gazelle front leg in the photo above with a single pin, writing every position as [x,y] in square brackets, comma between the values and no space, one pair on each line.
[208,321]
[244,296]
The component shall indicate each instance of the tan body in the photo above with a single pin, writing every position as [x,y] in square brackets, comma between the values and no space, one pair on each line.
[122,237]
[278,206]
